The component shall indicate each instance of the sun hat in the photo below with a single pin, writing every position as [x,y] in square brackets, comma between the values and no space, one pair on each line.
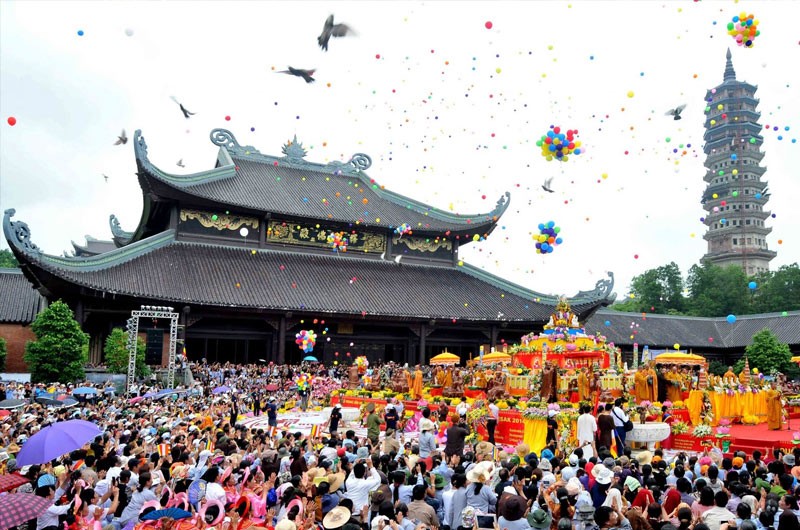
[602,474]
[285,524]
[568,473]
[545,465]
[370,407]
[514,508]
[480,472]
[609,462]
[439,482]
[644,457]
[573,460]
[551,413]
[548,479]
[788,460]
[426,425]
[585,512]
[573,486]
[539,519]
[362,452]
[336,518]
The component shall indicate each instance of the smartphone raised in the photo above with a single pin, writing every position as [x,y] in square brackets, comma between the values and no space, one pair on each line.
[486,521]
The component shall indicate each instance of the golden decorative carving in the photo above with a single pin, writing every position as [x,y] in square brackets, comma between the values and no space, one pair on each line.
[219,221]
[422,244]
[317,236]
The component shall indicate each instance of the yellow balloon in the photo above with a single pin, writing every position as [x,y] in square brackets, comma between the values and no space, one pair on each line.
[676,346]
[630,93]
[713,122]
[735,171]
[720,107]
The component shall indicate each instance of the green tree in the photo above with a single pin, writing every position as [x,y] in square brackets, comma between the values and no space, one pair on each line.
[3,354]
[777,290]
[59,352]
[116,354]
[7,259]
[658,290]
[767,354]
[716,367]
[717,291]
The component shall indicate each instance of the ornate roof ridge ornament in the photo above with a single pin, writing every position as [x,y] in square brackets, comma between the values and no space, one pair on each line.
[602,290]
[116,228]
[293,151]
[18,233]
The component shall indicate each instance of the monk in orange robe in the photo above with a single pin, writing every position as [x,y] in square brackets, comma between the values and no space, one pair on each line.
[583,386]
[774,408]
[640,388]
[729,376]
[448,377]
[674,391]
[652,384]
[416,388]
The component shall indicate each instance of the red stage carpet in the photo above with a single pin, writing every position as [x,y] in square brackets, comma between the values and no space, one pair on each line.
[748,438]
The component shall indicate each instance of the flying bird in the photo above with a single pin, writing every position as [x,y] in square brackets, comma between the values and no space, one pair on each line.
[105,177]
[332,30]
[180,163]
[299,72]
[546,185]
[122,138]
[186,113]
[676,112]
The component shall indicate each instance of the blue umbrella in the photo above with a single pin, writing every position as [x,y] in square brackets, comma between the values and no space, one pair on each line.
[172,513]
[56,440]
[84,391]
[311,358]
[221,389]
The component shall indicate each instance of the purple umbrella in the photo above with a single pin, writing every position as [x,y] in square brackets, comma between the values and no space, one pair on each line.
[56,440]
[221,390]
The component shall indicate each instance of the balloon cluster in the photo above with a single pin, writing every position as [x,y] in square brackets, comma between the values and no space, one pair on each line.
[403,229]
[306,340]
[362,363]
[547,238]
[303,382]
[558,145]
[744,29]
[338,240]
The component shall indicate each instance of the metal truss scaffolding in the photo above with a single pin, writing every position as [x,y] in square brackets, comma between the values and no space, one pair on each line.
[133,330]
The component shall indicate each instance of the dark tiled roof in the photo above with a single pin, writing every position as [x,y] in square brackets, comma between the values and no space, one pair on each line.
[692,332]
[292,186]
[19,301]
[208,275]
[93,247]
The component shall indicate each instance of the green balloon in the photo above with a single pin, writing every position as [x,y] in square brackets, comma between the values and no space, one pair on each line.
[557,229]
[214,217]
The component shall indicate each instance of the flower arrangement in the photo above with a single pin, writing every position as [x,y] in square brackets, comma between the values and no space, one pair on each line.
[362,363]
[680,427]
[667,404]
[796,438]
[702,431]
[678,405]
[723,432]
[645,404]
[535,413]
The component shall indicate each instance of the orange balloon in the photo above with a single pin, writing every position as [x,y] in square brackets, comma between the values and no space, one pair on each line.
[551,240]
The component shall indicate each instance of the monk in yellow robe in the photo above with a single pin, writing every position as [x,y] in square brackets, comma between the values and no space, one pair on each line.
[480,379]
[448,378]
[438,376]
[674,392]
[743,378]
[652,384]
[416,388]
[640,388]
[583,386]
[774,408]
[409,380]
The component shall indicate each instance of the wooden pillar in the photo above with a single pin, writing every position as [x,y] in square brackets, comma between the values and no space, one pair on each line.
[282,341]
[493,338]
[423,332]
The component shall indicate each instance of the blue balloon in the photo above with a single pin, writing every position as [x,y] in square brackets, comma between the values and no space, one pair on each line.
[752,285]
[550,224]
[731,319]
[577,151]
[541,226]
[607,322]
[558,240]
[758,195]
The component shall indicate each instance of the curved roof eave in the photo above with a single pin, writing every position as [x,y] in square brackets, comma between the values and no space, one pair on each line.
[17,233]
[226,168]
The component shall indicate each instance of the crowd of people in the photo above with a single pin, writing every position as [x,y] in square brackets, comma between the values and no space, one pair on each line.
[190,451]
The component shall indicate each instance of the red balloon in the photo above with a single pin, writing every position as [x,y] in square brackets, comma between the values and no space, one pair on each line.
[488,24]
[12,120]
[557,130]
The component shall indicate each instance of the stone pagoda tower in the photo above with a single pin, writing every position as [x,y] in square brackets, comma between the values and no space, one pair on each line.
[735,195]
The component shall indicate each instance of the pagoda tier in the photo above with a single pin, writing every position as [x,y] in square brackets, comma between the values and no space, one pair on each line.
[296,190]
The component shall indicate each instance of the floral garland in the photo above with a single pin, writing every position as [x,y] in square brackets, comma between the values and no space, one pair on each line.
[702,431]
[680,427]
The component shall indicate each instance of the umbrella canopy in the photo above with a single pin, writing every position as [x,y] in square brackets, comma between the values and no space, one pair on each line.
[10,404]
[9,482]
[49,402]
[18,508]
[445,358]
[4,413]
[221,389]
[171,513]
[84,391]
[496,357]
[271,388]
[56,440]
[311,359]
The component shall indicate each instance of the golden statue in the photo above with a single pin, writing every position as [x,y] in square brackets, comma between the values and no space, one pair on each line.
[563,316]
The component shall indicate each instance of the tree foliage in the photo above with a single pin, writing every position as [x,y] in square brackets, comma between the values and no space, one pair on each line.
[716,367]
[768,354]
[7,260]
[116,354]
[713,291]
[59,352]
[3,354]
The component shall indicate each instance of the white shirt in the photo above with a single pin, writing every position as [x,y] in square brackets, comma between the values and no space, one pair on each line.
[619,416]
[447,499]
[494,410]
[587,426]
[50,517]
[358,489]
[215,492]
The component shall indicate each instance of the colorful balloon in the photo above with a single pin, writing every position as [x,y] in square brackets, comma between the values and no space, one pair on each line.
[305,340]
[559,145]
[743,28]
[338,241]
[402,230]
[547,238]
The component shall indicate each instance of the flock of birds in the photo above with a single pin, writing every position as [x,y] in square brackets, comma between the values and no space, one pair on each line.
[328,30]
[340,30]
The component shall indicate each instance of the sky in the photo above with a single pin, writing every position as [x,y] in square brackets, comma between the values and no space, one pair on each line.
[448,98]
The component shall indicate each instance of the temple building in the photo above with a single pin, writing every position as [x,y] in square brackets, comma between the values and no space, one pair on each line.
[735,197]
[261,247]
